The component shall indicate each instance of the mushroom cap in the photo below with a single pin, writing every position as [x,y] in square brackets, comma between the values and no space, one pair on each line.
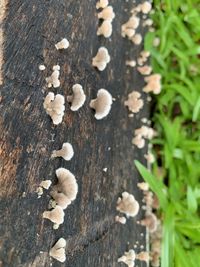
[105,29]
[107,13]
[78,98]
[58,250]
[146,7]
[102,104]
[63,44]
[128,205]
[145,70]
[128,258]
[151,222]
[61,199]
[101,59]
[134,102]
[67,183]
[56,215]
[101,4]
[66,152]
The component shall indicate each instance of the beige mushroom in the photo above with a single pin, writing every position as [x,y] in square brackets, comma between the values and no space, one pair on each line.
[120,219]
[101,59]
[128,205]
[53,80]
[56,215]
[153,84]
[42,67]
[102,104]
[65,191]
[128,28]
[131,63]
[58,250]
[150,221]
[145,70]
[128,258]
[105,29]
[143,186]
[107,13]
[77,99]
[143,256]
[102,4]
[46,184]
[134,103]
[66,152]
[63,44]
[146,7]
[54,106]
[138,141]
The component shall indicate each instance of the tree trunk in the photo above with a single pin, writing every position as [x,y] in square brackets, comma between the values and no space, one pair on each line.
[28,137]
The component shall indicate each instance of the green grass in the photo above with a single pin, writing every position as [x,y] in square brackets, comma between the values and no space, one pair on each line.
[176,118]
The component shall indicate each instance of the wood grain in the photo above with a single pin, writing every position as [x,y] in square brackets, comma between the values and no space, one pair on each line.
[31,28]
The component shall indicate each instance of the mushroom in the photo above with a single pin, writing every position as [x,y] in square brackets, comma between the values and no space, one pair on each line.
[145,7]
[45,184]
[145,131]
[149,157]
[102,4]
[105,29]
[77,99]
[137,39]
[143,256]
[145,70]
[66,152]
[102,104]
[143,186]
[42,67]
[107,13]
[128,28]
[65,191]
[101,59]
[128,258]
[131,63]
[58,250]
[54,106]
[128,205]
[53,80]
[63,44]
[150,221]
[138,141]
[55,215]
[153,84]
[120,219]
[134,103]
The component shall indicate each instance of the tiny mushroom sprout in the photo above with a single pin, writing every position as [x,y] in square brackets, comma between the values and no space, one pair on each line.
[145,70]
[65,191]
[77,99]
[102,4]
[55,215]
[153,84]
[134,103]
[58,250]
[128,258]
[63,44]
[101,59]
[54,106]
[107,13]
[105,29]
[53,80]
[66,152]
[137,39]
[102,104]
[128,205]
[151,222]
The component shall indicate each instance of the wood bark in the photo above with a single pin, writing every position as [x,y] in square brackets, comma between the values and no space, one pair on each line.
[30,31]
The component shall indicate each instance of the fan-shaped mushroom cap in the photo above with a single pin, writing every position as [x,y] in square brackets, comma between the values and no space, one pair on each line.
[58,250]
[105,29]
[102,104]
[66,152]
[101,59]
[78,98]
[101,4]
[107,13]
[128,205]
[128,258]
[150,221]
[63,44]
[134,102]
[56,215]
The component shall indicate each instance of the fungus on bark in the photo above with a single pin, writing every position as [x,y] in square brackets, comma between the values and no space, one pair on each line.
[77,99]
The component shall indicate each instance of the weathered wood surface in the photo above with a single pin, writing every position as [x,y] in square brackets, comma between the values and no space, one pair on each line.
[31,28]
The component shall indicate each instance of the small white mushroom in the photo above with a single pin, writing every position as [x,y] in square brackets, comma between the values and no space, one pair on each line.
[101,59]
[63,44]
[77,99]
[138,141]
[120,219]
[128,205]
[107,13]
[58,250]
[145,70]
[153,84]
[66,152]
[54,106]
[143,186]
[105,29]
[148,22]
[134,103]
[53,80]
[65,191]
[55,215]
[102,4]
[102,104]
[46,184]
[146,7]
[128,258]
[137,39]
[131,63]
[128,28]
[143,256]
[42,67]
[151,222]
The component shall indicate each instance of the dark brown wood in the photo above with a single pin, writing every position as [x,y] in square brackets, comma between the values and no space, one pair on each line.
[31,28]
